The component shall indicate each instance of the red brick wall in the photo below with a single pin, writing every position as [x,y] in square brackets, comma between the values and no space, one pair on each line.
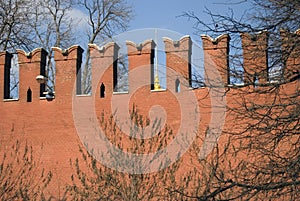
[216,59]
[50,124]
[255,54]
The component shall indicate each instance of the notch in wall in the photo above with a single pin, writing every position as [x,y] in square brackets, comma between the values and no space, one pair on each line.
[139,46]
[29,95]
[176,43]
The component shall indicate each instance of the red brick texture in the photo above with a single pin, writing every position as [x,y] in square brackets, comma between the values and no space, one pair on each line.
[255,54]
[50,124]
[216,59]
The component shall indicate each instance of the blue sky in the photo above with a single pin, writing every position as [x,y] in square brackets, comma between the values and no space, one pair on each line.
[165,13]
[162,14]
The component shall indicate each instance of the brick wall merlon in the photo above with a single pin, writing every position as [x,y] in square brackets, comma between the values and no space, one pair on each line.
[103,58]
[220,42]
[31,65]
[181,45]
[259,40]
[255,56]
[216,59]
[68,63]
[37,55]
[290,53]
[288,40]
[108,50]
[141,48]
[178,59]
[5,65]
[4,56]
[72,53]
